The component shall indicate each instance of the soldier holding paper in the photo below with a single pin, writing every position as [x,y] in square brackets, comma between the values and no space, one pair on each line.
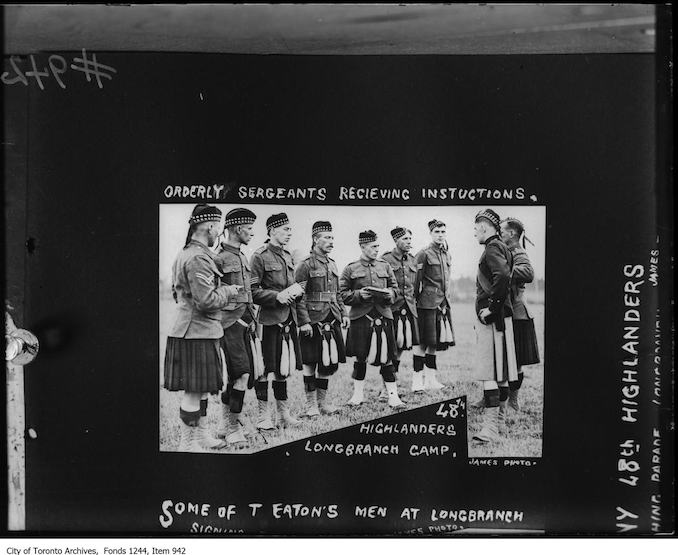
[368,286]
[274,289]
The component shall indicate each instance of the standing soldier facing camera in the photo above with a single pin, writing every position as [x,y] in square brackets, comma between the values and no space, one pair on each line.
[368,286]
[495,364]
[239,342]
[404,306]
[432,292]
[525,337]
[274,289]
[321,316]
[193,359]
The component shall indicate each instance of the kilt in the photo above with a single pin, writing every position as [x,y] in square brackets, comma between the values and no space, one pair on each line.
[494,353]
[193,365]
[429,327]
[414,323]
[271,346]
[312,346]
[527,349]
[237,351]
[360,337]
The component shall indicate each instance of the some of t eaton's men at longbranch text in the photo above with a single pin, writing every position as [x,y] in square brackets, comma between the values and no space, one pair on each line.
[270,318]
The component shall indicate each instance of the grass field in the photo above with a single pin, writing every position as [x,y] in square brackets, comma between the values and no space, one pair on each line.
[522,437]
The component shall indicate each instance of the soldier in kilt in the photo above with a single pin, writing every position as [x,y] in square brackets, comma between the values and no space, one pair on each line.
[432,291]
[527,349]
[321,316]
[237,319]
[368,286]
[405,305]
[192,358]
[495,364]
[275,291]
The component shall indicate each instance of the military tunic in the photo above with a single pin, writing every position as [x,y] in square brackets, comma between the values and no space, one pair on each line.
[272,272]
[495,347]
[527,349]
[368,314]
[432,292]
[404,307]
[237,317]
[193,358]
[322,308]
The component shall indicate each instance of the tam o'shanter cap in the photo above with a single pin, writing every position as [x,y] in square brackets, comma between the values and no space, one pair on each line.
[489,215]
[239,216]
[321,227]
[398,232]
[277,220]
[204,213]
[435,223]
[366,237]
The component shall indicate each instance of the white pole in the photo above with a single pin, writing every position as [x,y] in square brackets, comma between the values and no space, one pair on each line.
[16,445]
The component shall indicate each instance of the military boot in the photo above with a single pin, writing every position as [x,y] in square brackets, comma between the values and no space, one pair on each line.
[312,409]
[325,406]
[288,421]
[187,439]
[513,400]
[490,428]
[235,436]
[358,392]
[264,421]
[393,400]
[503,409]
[205,438]
[430,380]
[417,381]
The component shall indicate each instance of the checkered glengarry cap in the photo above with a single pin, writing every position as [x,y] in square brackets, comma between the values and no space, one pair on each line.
[321,227]
[239,216]
[398,232]
[432,224]
[204,213]
[366,237]
[489,215]
[276,220]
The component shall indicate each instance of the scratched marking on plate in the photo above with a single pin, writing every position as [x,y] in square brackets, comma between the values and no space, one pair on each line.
[57,66]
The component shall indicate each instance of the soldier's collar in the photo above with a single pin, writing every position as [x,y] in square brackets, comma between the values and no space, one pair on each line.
[438,247]
[322,257]
[491,238]
[365,262]
[230,248]
[276,249]
[399,254]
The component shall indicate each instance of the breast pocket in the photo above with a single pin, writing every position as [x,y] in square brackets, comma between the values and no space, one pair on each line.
[316,280]
[435,269]
[232,275]
[382,275]
[273,274]
[358,278]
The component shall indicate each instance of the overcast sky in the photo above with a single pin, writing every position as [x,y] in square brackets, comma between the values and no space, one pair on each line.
[348,221]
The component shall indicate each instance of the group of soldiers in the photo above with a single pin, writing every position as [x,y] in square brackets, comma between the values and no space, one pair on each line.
[269,317]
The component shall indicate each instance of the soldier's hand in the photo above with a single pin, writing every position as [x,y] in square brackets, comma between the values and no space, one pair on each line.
[483,314]
[284,298]
[345,322]
[365,294]
[306,330]
[233,290]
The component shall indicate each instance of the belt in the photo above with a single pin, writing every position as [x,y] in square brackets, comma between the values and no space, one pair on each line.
[324,296]
[432,288]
